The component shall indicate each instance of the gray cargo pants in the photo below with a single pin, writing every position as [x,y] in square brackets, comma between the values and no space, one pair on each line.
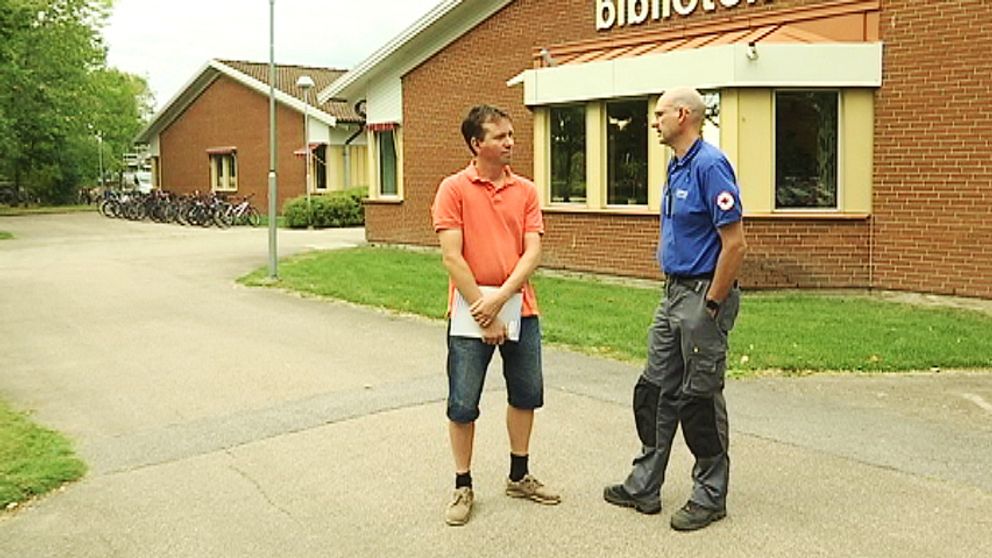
[682,383]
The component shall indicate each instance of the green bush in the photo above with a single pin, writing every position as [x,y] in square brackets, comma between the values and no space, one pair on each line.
[336,209]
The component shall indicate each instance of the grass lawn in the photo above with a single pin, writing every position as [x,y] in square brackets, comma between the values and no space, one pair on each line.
[264,222]
[33,460]
[4,235]
[7,211]
[792,332]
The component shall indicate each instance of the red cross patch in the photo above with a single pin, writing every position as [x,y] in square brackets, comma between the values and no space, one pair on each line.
[725,201]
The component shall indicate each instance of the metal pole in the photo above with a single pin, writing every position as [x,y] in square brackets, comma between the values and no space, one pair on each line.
[99,143]
[273,270]
[306,145]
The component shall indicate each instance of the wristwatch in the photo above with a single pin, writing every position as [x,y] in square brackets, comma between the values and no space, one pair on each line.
[712,305]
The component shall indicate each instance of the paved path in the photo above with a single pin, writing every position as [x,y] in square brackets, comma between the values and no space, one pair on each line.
[219,420]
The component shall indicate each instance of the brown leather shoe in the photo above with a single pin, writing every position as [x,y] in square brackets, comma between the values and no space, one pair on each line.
[532,489]
[460,507]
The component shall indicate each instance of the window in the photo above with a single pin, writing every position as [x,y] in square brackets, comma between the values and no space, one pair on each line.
[319,159]
[711,123]
[627,152]
[806,149]
[387,163]
[223,171]
[568,154]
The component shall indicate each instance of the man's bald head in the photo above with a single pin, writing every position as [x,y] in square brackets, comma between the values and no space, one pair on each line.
[678,118]
[689,99]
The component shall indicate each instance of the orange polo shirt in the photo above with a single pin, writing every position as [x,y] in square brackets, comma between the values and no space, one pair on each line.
[493,223]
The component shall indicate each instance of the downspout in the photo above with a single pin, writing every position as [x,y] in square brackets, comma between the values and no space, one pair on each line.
[347,156]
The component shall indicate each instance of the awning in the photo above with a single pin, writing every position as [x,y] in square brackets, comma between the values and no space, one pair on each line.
[302,152]
[833,45]
[381,126]
[229,150]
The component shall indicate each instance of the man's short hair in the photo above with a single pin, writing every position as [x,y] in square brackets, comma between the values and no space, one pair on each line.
[477,116]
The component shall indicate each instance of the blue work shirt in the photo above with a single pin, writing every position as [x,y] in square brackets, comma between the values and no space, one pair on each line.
[701,196]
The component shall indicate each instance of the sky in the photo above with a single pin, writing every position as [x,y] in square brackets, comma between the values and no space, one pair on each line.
[168,41]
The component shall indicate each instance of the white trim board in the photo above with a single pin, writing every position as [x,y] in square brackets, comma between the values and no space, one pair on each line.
[724,66]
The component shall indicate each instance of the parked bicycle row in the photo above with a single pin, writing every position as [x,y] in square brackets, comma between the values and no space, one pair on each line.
[161,206]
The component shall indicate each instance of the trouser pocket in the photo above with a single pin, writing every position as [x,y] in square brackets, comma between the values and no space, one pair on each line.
[704,375]
[646,411]
[706,357]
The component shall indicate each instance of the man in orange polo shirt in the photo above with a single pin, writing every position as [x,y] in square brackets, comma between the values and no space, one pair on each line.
[489,223]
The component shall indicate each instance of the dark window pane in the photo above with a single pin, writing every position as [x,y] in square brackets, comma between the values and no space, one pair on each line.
[387,164]
[568,154]
[806,149]
[320,166]
[627,153]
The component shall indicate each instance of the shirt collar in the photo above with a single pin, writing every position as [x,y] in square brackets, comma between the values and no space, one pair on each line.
[472,173]
[680,161]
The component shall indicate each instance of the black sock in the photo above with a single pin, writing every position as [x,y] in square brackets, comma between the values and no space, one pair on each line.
[518,467]
[463,480]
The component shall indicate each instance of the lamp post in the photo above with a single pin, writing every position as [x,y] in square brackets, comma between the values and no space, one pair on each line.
[273,270]
[99,144]
[305,83]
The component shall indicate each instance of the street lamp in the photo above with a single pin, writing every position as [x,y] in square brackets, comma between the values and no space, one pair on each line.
[305,83]
[273,188]
[99,143]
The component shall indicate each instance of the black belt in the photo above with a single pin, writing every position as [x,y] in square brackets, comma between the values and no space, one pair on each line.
[672,277]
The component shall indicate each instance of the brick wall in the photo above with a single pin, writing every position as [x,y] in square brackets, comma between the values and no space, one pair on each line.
[912,234]
[229,114]
[933,157]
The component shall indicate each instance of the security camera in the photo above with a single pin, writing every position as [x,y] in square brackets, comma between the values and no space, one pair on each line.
[546,58]
[751,52]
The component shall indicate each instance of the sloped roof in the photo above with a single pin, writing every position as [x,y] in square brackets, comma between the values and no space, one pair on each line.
[286,76]
[255,75]
[444,23]
[836,21]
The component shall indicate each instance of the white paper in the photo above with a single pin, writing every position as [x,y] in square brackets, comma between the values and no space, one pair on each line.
[464,325]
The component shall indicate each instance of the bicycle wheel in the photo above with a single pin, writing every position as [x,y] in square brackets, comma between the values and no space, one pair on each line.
[252,217]
[223,216]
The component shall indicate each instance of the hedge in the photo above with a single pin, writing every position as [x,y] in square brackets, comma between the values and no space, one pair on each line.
[335,209]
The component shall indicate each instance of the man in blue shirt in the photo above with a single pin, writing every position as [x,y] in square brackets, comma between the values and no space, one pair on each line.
[701,249]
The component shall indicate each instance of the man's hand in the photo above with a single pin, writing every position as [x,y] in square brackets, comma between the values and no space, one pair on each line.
[486,308]
[495,333]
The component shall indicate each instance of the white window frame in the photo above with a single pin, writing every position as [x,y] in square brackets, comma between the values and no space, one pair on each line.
[222,179]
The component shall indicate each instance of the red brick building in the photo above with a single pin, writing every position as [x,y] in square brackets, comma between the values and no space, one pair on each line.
[859,129]
[213,135]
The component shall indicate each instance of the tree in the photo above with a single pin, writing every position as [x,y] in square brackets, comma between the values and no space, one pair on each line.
[57,94]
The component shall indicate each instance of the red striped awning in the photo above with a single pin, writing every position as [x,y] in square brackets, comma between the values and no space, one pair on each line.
[301,152]
[381,126]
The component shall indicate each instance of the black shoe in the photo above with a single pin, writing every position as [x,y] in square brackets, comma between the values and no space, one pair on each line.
[692,516]
[618,496]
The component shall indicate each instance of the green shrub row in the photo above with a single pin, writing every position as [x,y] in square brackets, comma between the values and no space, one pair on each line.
[336,209]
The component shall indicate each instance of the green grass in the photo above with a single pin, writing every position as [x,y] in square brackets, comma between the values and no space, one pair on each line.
[8,211]
[792,332]
[280,221]
[33,460]
[4,235]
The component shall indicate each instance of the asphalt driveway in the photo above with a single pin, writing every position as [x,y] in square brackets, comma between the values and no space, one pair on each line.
[219,420]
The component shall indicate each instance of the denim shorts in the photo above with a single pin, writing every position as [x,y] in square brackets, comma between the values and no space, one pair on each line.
[468,360]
